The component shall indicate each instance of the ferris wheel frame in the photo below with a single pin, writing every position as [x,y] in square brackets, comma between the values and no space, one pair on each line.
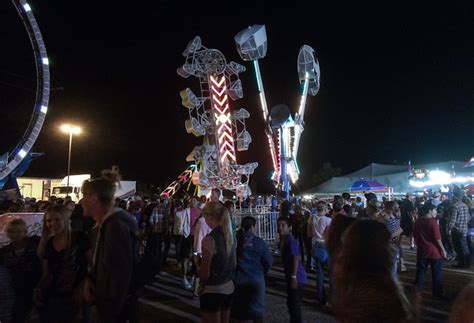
[42,89]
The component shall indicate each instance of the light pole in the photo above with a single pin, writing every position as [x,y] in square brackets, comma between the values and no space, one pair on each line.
[69,129]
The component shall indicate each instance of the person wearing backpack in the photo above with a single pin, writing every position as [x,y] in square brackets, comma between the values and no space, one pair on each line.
[111,283]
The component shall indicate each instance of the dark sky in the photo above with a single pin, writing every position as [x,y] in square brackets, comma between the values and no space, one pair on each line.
[397,82]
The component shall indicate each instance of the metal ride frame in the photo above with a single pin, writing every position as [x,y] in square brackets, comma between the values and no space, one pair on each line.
[13,159]
[284,137]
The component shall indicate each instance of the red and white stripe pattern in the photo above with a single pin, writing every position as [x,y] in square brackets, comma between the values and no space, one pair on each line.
[220,105]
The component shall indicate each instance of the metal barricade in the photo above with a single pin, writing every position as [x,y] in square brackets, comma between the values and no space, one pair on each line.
[266,225]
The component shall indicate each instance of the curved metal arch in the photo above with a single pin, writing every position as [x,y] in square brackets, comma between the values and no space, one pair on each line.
[42,89]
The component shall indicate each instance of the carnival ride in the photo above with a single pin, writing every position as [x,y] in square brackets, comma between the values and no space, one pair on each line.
[13,161]
[211,117]
[282,130]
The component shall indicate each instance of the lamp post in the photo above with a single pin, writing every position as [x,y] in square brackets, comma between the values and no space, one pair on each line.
[69,129]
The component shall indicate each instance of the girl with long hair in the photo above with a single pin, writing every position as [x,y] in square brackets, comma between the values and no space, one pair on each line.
[217,265]
[366,290]
[65,256]
[253,262]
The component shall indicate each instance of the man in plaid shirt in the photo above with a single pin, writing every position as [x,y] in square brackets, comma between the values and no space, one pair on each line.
[457,228]
[160,224]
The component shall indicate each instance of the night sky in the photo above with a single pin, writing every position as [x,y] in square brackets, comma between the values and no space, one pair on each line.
[397,82]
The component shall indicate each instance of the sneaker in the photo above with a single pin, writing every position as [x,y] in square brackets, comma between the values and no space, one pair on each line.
[192,281]
[403,268]
[186,284]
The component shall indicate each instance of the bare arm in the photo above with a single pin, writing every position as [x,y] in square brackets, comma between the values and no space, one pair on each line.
[441,247]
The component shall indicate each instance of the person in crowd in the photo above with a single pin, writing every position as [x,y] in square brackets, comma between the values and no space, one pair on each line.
[436,199]
[215,195]
[182,232]
[7,295]
[407,217]
[111,283]
[24,267]
[295,275]
[391,218]
[201,230]
[463,308]
[346,198]
[179,214]
[320,253]
[457,229]
[307,232]
[366,290]
[134,208]
[443,217]
[253,262]
[337,206]
[333,241]
[470,224]
[429,249]
[298,229]
[202,201]
[161,225]
[363,212]
[217,265]
[231,208]
[66,255]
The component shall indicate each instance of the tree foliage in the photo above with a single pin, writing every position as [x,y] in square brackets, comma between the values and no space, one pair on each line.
[327,171]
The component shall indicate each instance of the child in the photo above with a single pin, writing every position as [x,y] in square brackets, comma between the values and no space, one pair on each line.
[295,274]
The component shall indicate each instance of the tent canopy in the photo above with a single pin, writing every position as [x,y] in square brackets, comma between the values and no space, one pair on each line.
[368,185]
[394,176]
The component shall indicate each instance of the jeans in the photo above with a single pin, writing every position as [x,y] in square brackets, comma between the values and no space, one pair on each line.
[178,239]
[436,272]
[460,246]
[293,301]
[320,255]
[155,245]
[308,248]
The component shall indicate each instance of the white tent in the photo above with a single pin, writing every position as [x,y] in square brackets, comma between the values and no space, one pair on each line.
[394,176]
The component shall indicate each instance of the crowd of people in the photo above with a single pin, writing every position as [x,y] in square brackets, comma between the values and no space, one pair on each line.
[93,258]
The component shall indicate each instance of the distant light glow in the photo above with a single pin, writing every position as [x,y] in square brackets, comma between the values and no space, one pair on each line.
[27,7]
[22,153]
[69,128]
[44,109]
[438,177]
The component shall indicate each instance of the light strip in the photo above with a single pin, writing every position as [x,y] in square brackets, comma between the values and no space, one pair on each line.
[44,109]
[45,61]
[222,120]
[300,116]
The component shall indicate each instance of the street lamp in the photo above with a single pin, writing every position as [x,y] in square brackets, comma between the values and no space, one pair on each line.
[69,129]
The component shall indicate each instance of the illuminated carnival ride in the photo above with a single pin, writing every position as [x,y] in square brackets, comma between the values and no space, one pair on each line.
[212,117]
[282,130]
[13,163]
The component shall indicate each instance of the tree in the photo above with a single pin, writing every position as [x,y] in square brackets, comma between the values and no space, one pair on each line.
[326,172]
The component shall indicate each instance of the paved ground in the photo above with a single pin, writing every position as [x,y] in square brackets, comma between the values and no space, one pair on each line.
[166,301]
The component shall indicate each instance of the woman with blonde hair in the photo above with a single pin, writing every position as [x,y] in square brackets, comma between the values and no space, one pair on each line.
[217,265]
[65,256]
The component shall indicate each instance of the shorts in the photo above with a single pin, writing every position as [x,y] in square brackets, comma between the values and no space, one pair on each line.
[212,303]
